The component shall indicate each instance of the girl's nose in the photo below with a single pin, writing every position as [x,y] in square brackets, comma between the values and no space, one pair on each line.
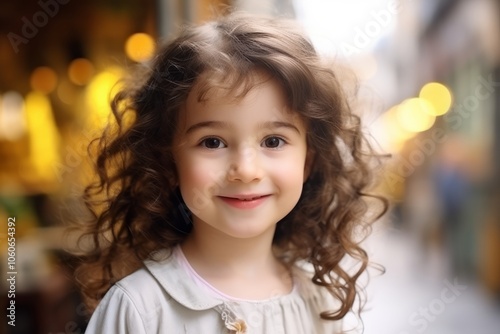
[245,166]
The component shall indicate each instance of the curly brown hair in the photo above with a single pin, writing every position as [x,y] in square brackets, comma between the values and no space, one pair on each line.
[135,205]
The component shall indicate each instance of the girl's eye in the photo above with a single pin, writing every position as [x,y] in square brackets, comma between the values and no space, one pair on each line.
[273,142]
[212,143]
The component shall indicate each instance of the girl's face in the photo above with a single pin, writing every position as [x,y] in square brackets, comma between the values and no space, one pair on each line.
[241,162]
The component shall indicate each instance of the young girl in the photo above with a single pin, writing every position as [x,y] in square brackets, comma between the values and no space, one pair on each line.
[229,202]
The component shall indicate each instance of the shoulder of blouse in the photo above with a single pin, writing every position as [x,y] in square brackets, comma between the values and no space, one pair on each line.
[162,277]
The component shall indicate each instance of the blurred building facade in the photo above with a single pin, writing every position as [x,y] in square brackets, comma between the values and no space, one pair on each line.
[454,166]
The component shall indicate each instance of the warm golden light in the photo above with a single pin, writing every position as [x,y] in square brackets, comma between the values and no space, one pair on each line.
[139,47]
[67,93]
[416,115]
[388,131]
[438,95]
[12,118]
[44,136]
[80,71]
[99,94]
[43,79]
[397,134]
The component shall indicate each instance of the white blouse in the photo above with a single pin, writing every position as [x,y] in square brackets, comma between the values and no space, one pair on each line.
[163,297]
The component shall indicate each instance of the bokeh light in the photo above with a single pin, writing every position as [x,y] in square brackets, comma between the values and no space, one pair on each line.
[66,93]
[416,115]
[139,47]
[391,136]
[438,95]
[80,71]
[44,135]
[99,93]
[43,79]
[12,122]
[394,131]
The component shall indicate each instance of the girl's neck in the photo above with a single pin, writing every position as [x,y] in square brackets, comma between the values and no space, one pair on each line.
[215,253]
[242,268]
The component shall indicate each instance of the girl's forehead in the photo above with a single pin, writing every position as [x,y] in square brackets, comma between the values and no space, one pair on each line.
[230,87]
[258,88]
[208,100]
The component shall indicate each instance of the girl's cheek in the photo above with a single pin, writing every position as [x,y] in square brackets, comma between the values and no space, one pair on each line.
[291,166]
[208,175]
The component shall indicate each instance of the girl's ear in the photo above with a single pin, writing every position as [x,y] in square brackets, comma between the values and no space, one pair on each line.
[309,163]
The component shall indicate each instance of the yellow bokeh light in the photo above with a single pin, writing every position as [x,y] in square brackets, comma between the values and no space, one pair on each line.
[80,71]
[139,47]
[416,115]
[44,136]
[99,94]
[388,132]
[43,79]
[438,95]
[397,134]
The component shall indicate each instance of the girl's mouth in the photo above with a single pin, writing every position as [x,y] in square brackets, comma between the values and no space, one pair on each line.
[245,202]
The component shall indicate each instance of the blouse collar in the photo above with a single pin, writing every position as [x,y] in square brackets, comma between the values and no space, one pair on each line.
[172,277]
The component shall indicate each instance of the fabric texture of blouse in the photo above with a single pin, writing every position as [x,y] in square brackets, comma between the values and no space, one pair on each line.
[162,297]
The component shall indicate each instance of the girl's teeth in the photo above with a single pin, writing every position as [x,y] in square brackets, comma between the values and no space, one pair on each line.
[249,199]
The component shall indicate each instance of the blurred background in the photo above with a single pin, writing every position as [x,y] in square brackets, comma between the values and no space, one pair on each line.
[429,93]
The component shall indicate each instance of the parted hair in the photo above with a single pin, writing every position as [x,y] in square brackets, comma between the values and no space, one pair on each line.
[135,205]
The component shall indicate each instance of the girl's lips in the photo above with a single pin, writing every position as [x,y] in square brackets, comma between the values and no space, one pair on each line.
[246,202]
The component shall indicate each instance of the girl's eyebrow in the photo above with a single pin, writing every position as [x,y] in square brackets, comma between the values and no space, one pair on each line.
[207,124]
[279,124]
[224,125]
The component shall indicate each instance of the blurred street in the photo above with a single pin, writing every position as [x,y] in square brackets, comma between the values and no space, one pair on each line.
[409,297]
[427,78]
